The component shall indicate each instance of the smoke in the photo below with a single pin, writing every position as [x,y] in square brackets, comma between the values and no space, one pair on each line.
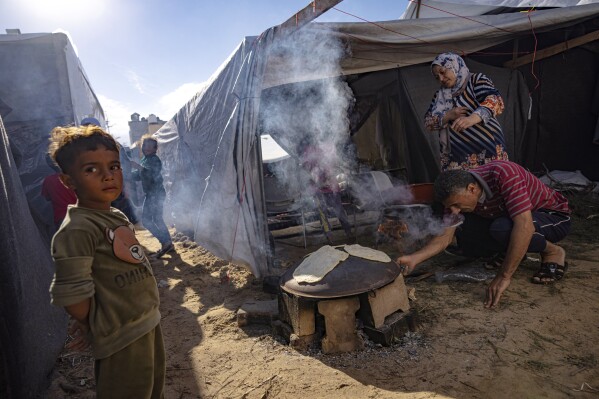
[309,118]
[421,223]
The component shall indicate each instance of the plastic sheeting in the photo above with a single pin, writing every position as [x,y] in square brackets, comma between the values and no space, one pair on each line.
[210,151]
[43,85]
[449,8]
[393,44]
[32,331]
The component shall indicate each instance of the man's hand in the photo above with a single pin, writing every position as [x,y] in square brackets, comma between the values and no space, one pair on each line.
[496,288]
[406,264]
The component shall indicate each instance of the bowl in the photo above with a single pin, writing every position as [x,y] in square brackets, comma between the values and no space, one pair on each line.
[422,193]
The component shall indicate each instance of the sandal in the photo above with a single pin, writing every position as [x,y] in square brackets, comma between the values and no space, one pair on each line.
[551,271]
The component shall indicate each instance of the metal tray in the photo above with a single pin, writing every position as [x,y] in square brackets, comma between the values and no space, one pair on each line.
[353,276]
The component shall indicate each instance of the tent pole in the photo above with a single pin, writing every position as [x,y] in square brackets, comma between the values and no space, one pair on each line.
[312,11]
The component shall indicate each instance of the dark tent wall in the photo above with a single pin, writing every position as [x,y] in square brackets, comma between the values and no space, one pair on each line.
[394,102]
[31,330]
[564,100]
[564,115]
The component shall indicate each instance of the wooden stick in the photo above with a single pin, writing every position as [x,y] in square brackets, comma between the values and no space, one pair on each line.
[553,50]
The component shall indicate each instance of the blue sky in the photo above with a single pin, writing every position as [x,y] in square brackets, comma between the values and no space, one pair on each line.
[151,56]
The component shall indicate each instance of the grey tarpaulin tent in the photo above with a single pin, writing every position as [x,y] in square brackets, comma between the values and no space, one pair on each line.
[31,330]
[211,147]
[42,85]
[448,8]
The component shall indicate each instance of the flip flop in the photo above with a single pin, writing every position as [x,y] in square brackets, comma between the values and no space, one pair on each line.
[165,250]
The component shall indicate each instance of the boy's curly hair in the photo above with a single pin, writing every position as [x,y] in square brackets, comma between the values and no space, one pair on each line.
[67,142]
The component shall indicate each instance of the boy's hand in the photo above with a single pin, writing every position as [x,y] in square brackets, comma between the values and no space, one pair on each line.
[135,165]
[77,336]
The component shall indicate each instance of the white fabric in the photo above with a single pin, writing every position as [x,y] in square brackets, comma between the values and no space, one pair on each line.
[271,151]
[575,178]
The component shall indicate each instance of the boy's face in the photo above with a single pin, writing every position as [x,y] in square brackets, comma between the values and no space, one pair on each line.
[148,147]
[96,178]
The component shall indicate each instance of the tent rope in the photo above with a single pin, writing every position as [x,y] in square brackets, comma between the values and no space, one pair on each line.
[534,54]
[460,51]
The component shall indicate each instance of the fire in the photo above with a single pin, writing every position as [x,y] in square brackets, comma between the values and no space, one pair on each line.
[393,228]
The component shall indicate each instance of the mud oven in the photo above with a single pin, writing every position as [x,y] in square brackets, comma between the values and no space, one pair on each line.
[358,295]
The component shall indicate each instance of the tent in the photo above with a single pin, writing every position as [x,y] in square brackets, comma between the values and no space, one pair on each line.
[42,85]
[372,82]
[449,8]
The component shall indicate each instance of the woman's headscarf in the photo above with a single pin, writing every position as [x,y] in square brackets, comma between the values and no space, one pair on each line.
[456,64]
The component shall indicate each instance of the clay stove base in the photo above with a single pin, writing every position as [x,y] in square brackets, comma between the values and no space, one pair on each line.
[306,322]
[395,327]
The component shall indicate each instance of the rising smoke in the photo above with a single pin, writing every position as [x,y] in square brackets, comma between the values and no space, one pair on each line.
[311,113]
[311,108]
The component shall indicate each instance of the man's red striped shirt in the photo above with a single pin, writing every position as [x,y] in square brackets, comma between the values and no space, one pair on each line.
[511,190]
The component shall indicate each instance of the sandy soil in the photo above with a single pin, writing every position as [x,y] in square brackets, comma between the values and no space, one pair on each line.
[540,342]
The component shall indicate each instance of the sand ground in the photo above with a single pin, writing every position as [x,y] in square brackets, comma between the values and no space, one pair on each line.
[541,342]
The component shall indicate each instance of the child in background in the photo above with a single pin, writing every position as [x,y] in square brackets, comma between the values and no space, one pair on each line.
[103,278]
[149,171]
[58,194]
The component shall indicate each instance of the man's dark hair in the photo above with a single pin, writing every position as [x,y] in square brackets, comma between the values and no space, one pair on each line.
[450,182]
[67,142]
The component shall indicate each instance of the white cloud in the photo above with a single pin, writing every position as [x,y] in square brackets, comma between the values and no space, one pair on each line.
[136,81]
[172,102]
[117,115]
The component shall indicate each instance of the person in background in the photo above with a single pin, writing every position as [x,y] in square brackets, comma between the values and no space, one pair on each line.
[326,190]
[149,171]
[514,213]
[123,202]
[57,193]
[464,111]
[102,277]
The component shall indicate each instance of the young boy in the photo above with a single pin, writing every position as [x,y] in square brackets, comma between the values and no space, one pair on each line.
[149,171]
[103,278]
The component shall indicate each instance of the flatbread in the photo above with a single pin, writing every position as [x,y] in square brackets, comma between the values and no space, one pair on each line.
[318,264]
[367,253]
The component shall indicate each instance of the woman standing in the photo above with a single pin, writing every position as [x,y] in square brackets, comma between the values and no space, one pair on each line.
[464,111]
